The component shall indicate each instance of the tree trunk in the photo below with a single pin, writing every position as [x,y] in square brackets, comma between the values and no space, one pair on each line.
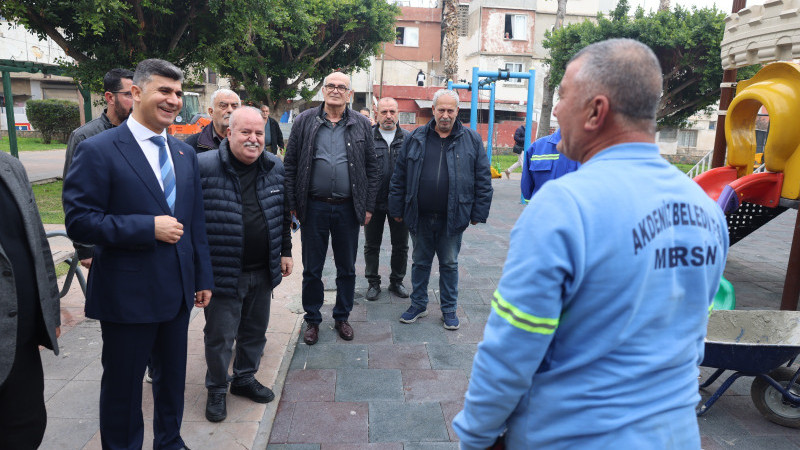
[663,5]
[450,44]
[543,128]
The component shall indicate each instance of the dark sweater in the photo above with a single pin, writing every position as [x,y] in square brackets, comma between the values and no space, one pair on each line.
[434,180]
[256,243]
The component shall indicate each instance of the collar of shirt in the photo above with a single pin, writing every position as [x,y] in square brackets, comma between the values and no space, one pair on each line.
[142,136]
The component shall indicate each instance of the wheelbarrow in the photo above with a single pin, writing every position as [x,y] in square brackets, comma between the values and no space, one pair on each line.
[760,344]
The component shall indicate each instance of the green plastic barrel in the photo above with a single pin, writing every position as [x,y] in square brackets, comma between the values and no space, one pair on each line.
[725,297]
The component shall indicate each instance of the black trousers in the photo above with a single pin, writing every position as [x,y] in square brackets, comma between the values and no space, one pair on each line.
[23,416]
[373,235]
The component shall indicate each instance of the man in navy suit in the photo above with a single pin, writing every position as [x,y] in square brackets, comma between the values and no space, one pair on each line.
[134,193]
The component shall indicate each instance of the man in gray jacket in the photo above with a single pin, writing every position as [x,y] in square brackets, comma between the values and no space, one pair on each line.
[119,104]
[29,308]
[388,140]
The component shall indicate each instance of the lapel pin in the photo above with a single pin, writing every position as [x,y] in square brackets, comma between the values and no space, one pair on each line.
[180,152]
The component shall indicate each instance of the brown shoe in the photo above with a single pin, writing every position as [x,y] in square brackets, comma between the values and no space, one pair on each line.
[311,335]
[345,330]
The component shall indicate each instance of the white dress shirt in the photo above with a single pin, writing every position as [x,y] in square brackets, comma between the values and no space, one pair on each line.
[142,135]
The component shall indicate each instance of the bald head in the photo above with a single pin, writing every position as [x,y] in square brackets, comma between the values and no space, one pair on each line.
[387,113]
[627,72]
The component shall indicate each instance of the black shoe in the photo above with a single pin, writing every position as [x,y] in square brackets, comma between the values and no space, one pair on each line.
[311,335]
[216,410]
[255,391]
[398,289]
[373,292]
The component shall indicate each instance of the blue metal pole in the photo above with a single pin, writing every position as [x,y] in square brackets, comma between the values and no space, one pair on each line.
[473,114]
[529,108]
[491,123]
[450,84]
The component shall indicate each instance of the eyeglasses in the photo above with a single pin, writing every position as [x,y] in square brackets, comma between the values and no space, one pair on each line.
[125,93]
[340,88]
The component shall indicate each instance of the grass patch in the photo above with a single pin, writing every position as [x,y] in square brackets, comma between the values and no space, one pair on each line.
[62,269]
[48,199]
[30,144]
[683,167]
[503,162]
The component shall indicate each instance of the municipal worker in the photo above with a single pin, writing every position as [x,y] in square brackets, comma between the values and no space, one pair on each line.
[598,322]
[542,163]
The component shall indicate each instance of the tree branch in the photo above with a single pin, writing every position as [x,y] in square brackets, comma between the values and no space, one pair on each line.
[666,112]
[55,36]
[182,28]
[331,49]
[137,6]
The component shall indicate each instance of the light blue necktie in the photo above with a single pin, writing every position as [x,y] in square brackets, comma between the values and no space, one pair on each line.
[167,174]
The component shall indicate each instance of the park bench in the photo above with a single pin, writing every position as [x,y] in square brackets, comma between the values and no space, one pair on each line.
[69,257]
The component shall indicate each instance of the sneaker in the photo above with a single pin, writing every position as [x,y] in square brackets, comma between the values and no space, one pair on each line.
[450,321]
[254,390]
[216,410]
[413,313]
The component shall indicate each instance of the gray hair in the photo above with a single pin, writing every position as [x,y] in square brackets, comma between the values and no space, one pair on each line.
[223,91]
[149,67]
[238,112]
[349,82]
[448,92]
[624,70]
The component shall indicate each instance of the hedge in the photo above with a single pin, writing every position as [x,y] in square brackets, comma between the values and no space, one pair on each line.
[55,119]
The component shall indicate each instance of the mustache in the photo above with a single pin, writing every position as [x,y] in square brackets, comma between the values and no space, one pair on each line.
[251,145]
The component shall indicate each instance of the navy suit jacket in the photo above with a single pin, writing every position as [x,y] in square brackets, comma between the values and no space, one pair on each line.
[111,196]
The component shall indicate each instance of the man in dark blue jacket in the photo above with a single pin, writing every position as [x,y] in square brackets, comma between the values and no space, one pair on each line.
[251,248]
[447,162]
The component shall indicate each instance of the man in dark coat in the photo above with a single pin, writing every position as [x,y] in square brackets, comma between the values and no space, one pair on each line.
[331,180]
[223,103]
[29,307]
[440,185]
[251,248]
[273,136]
[388,139]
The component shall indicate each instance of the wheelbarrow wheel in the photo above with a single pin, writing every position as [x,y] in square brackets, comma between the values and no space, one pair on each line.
[771,403]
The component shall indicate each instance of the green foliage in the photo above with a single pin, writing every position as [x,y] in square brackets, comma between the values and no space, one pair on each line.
[53,118]
[686,42]
[103,34]
[273,45]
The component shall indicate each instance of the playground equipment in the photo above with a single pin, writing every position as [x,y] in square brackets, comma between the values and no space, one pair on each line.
[488,84]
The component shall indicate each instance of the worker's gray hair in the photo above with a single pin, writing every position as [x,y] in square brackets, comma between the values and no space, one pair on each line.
[449,92]
[238,112]
[624,70]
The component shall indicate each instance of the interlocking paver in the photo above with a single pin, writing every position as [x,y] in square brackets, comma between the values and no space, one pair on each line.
[451,356]
[369,385]
[406,422]
[309,386]
[334,422]
[434,385]
[426,329]
[398,356]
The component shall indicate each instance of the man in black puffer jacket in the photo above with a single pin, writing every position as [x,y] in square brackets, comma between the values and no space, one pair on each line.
[251,249]
[331,181]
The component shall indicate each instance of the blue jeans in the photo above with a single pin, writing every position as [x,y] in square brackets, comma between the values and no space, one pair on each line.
[338,222]
[432,238]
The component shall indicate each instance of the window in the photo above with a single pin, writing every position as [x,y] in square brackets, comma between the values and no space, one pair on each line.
[687,138]
[407,37]
[516,27]
[712,124]
[463,20]
[407,118]
[514,67]
[212,77]
[668,135]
